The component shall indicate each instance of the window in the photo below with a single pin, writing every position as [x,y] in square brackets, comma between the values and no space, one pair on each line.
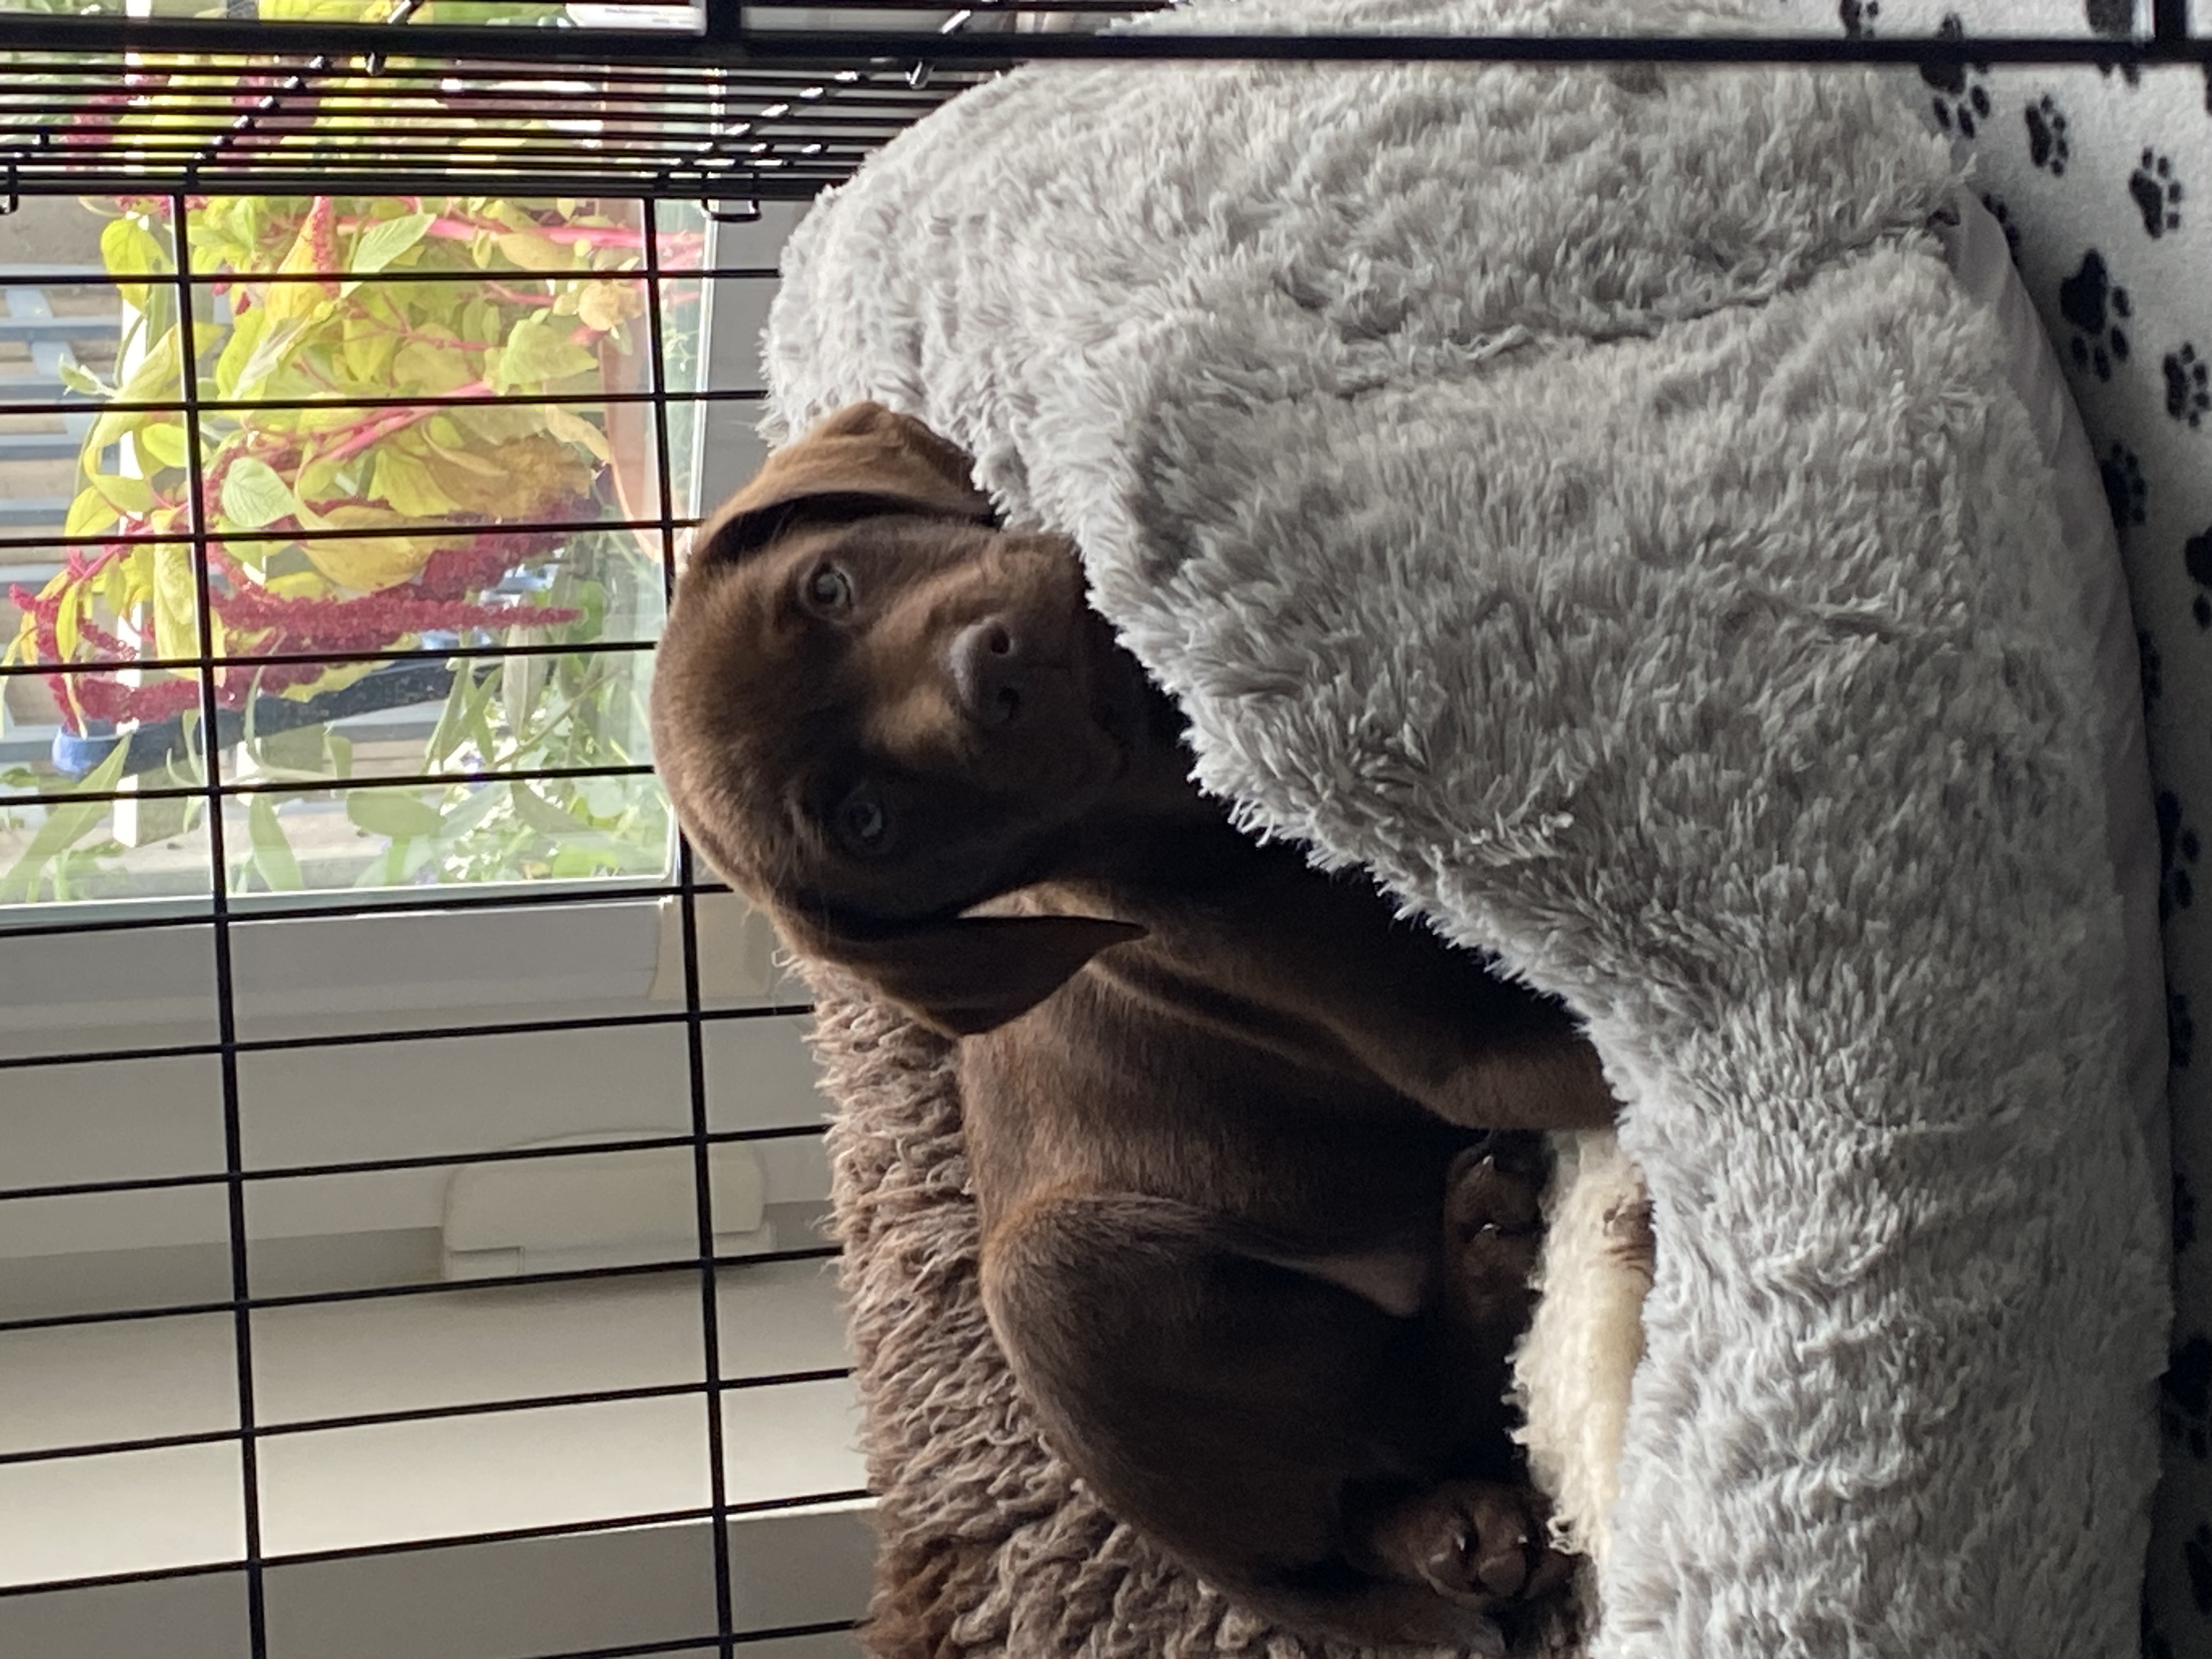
[372,1113]
[435,476]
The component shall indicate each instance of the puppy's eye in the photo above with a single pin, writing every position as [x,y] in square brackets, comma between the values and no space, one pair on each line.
[862,824]
[828,588]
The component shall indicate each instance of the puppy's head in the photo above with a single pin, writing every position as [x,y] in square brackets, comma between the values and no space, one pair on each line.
[874,708]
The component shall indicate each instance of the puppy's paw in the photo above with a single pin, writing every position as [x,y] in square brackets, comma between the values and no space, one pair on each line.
[1628,1237]
[1493,1226]
[1479,1545]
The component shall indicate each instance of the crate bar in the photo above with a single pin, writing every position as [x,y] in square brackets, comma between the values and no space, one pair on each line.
[694,1042]
[423,1161]
[414,527]
[732,45]
[266,60]
[320,786]
[365,1039]
[78,404]
[423,1413]
[94,277]
[691,1644]
[774,186]
[157,139]
[408,901]
[293,658]
[644,139]
[476,82]
[160,140]
[415,1287]
[507,1536]
[234,1152]
[677,102]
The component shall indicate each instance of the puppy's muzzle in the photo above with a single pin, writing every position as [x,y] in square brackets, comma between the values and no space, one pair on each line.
[989,669]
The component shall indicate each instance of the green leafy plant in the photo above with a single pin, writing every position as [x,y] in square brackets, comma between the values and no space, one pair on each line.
[399,403]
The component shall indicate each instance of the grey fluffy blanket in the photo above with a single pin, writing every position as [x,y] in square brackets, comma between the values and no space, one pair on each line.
[1583,498]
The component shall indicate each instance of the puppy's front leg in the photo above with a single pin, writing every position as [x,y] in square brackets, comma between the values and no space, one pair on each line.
[1431,1021]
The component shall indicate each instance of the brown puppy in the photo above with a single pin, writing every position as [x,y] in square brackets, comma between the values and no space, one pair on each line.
[1250,1243]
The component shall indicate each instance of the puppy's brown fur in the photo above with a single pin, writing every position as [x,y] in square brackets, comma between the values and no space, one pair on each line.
[1252,1241]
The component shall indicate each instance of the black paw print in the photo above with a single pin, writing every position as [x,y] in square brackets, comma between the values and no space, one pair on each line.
[2002,214]
[2153,682]
[2178,849]
[2184,1395]
[2196,559]
[2184,1214]
[2125,492]
[2180,1044]
[2046,137]
[2091,301]
[2157,193]
[2188,386]
[1858,16]
[2116,21]
[1962,96]
[2197,1555]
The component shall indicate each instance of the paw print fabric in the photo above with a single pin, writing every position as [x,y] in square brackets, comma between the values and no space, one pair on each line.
[2103,182]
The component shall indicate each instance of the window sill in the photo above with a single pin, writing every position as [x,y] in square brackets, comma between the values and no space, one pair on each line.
[387,1488]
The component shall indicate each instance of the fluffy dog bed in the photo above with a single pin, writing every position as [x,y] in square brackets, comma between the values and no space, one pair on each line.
[1590,500]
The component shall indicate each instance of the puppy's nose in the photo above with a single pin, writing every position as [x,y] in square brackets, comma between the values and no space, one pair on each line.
[987,664]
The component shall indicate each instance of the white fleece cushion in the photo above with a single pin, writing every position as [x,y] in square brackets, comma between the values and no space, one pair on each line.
[1573,1371]
[1591,501]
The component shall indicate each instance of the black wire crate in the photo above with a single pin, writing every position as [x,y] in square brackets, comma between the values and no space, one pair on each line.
[364,367]
[730,102]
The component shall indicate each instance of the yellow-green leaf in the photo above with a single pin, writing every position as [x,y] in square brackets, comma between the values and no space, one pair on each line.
[238,352]
[369,354]
[254,496]
[603,306]
[317,479]
[521,679]
[380,244]
[272,852]
[369,562]
[115,585]
[532,252]
[272,343]
[77,378]
[176,602]
[448,451]
[123,495]
[541,814]
[156,380]
[538,350]
[394,815]
[127,248]
[495,423]
[67,824]
[164,442]
[566,423]
[90,513]
[407,487]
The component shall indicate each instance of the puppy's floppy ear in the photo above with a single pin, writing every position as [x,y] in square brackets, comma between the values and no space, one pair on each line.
[864,459]
[970,974]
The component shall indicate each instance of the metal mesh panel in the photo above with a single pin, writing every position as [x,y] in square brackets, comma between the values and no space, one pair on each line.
[497,182]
